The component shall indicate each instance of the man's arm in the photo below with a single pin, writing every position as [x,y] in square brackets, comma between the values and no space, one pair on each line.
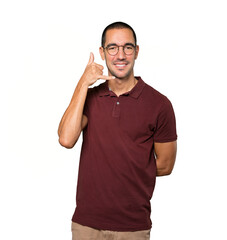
[165,157]
[73,120]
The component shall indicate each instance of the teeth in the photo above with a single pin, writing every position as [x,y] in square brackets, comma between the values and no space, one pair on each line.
[120,65]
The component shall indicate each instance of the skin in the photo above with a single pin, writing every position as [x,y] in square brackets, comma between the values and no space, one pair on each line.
[125,79]
[73,120]
[120,79]
[165,157]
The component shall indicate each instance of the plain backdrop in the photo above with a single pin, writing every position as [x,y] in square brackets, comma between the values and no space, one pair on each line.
[44,48]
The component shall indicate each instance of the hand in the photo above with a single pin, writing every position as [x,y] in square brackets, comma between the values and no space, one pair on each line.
[94,71]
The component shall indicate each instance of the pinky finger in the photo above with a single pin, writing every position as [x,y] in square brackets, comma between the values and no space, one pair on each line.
[106,77]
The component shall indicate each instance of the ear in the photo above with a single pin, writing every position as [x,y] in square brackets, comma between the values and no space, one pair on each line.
[101,51]
[137,51]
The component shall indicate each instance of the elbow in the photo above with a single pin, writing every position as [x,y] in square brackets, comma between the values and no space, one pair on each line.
[69,138]
[164,172]
[66,142]
[165,169]
[167,172]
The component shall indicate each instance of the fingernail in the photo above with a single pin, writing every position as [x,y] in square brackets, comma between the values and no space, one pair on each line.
[113,77]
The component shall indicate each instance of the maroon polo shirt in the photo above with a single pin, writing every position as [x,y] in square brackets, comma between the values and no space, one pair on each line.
[117,168]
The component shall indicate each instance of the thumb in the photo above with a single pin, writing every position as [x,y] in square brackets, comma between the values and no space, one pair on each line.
[91,59]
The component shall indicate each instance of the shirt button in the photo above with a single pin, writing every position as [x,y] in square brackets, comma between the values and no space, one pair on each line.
[118,103]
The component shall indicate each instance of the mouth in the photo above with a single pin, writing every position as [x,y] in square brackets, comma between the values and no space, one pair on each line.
[120,65]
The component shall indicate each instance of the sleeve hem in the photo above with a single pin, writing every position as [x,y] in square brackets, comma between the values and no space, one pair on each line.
[165,140]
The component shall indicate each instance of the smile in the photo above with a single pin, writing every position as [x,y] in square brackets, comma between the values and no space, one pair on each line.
[120,65]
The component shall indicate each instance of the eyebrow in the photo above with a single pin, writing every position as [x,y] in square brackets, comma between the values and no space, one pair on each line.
[114,44]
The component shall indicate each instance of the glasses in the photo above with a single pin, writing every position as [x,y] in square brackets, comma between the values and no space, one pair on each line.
[114,49]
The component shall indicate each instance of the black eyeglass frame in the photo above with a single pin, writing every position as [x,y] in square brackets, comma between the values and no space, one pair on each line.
[118,46]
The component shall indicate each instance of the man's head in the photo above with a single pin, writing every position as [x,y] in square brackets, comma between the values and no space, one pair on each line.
[117,25]
[119,49]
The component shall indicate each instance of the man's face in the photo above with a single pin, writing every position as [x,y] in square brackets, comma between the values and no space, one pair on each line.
[120,65]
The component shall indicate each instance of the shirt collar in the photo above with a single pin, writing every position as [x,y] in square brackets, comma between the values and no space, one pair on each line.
[134,92]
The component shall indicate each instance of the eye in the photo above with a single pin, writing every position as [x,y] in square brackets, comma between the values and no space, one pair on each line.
[128,47]
[112,48]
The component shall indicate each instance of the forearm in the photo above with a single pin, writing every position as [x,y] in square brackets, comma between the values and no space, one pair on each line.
[73,122]
[70,126]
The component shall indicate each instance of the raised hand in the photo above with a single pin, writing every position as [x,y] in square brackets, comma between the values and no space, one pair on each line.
[94,71]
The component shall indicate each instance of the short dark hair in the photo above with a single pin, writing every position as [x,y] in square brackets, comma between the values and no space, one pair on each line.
[116,25]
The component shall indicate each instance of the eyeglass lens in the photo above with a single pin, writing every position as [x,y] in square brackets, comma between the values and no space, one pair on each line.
[113,50]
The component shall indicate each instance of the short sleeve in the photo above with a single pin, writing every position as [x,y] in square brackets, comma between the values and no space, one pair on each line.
[86,104]
[166,124]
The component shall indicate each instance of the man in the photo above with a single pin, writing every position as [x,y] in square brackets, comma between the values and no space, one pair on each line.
[129,138]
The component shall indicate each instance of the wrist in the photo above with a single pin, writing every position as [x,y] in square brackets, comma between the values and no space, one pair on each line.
[83,83]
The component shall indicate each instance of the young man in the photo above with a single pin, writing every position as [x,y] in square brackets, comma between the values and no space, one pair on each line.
[129,138]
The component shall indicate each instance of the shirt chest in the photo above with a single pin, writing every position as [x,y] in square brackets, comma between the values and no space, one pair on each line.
[123,115]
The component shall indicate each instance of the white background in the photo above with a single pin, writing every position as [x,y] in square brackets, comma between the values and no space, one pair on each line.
[44,48]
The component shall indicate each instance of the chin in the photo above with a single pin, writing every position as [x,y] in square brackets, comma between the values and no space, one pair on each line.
[120,76]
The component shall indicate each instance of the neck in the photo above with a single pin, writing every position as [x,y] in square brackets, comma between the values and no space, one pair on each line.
[120,86]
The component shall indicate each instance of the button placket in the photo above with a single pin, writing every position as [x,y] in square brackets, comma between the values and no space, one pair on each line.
[116,109]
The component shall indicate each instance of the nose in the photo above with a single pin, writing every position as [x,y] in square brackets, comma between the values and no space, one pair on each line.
[121,54]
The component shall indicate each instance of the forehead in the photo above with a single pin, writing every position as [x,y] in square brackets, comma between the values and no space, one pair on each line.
[119,36]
